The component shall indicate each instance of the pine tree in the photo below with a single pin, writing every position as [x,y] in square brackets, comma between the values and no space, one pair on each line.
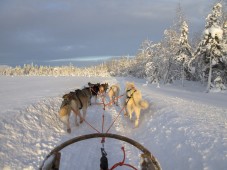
[224,50]
[184,53]
[153,68]
[209,53]
[171,46]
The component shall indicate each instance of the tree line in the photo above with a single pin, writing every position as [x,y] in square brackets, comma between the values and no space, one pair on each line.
[70,70]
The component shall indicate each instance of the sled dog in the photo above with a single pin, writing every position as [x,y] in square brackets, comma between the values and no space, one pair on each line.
[113,94]
[88,92]
[94,89]
[103,88]
[133,102]
[74,101]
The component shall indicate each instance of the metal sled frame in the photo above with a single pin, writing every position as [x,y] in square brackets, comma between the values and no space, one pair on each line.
[149,161]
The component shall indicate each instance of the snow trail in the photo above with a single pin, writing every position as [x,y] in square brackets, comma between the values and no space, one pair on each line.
[182,131]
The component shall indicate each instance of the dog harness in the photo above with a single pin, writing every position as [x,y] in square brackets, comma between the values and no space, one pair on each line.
[129,97]
[131,94]
[85,93]
[81,105]
[64,103]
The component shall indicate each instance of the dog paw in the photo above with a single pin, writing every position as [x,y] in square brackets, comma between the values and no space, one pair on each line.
[136,124]
[81,121]
[69,130]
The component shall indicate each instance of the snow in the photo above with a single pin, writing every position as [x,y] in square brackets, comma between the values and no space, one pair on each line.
[215,31]
[184,127]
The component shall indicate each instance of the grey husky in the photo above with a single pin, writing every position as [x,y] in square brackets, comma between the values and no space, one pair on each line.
[75,101]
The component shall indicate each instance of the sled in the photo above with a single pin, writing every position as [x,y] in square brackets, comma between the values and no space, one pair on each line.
[148,162]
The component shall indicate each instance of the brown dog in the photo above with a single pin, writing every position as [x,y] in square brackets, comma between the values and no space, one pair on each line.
[103,88]
[113,94]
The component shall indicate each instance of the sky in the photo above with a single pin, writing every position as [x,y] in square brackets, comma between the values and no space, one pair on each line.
[49,31]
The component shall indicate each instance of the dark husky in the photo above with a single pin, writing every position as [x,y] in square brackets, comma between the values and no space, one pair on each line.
[103,88]
[75,101]
[94,89]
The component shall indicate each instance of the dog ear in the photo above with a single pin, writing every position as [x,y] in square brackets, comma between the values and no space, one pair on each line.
[70,96]
[133,85]
[127,84]
[65,96]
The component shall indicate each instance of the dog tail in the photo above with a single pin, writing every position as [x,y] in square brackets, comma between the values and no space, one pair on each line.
[64,113]
[143,104]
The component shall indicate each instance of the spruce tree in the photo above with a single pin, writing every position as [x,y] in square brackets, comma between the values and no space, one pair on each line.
[184,53]
[209,55]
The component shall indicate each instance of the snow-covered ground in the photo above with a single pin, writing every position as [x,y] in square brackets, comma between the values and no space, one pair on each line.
[184,128]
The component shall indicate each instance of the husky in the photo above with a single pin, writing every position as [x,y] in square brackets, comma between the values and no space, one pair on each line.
[133,102]
[94,90]
[88,92]
[113,94]
[103,88]
[74,101]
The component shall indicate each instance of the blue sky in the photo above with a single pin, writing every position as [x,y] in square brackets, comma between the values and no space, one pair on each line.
[44,30]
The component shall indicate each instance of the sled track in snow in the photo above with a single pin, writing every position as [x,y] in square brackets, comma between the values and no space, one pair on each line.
[34,131]
[174,125]
[37,129]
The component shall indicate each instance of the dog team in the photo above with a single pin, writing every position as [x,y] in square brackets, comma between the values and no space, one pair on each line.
[80,99]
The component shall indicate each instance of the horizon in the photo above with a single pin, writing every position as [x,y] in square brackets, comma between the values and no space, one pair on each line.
[86,61]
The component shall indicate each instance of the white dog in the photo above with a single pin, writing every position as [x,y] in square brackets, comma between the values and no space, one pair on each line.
[113,94]
[133,102]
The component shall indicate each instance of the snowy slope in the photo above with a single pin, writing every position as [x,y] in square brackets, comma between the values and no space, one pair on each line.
[184,128]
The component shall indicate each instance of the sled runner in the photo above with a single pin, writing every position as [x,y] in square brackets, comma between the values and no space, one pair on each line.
[148,162]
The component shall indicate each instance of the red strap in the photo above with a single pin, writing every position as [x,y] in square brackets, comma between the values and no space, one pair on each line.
[115,119]
[122,163]
[86,121]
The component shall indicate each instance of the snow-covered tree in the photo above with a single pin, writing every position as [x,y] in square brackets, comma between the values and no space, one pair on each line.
[218,82]
[30,70]
[152,72]
[170,46]
[224,43]
[145,55]
[154,65]
[184,53]
[178,19]
[209,53]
